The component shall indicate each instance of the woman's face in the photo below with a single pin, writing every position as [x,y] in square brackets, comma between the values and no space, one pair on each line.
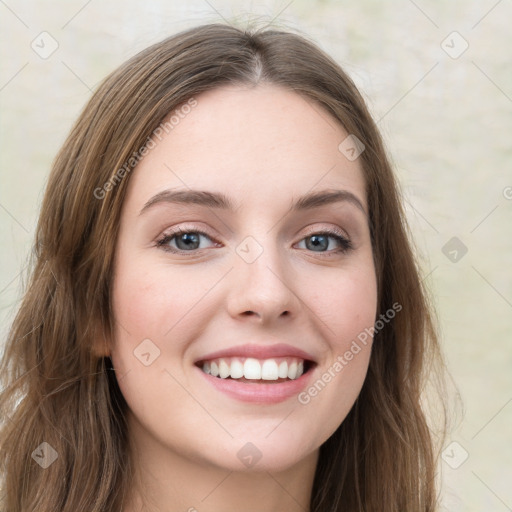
[244,247]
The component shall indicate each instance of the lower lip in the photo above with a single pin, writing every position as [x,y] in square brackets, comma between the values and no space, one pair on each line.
[259,392]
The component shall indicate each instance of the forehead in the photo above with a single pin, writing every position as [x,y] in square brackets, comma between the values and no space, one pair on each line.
[263,143]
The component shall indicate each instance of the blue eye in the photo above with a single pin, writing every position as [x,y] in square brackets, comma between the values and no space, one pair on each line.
[182,240]
[321,242]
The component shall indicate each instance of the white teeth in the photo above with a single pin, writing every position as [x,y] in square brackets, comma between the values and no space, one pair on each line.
[283,370]
[237,369]
[254,369]
[269,370]
[292,370]
[223,369]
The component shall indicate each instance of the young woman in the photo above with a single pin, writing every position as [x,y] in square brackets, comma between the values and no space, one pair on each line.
[224,312]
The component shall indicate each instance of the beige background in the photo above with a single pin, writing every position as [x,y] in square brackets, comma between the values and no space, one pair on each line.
[447,120]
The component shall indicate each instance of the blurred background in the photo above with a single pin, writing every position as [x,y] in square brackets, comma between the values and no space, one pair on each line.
[437,77]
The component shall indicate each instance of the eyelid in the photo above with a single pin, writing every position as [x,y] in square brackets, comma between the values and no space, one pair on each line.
[330,231]
[185,228]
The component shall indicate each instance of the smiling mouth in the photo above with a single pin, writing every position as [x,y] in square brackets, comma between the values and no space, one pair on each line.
[251,370]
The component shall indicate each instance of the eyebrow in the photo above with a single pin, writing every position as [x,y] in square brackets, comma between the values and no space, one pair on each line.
[219,200]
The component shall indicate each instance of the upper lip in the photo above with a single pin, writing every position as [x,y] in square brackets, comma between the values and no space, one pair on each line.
[258,351]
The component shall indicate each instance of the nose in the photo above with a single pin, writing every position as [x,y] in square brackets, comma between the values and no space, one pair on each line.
[261,291]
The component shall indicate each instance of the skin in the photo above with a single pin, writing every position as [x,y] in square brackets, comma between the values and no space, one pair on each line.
[264,147]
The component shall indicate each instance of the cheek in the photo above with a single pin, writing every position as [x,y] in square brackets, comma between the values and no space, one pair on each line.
[153,303]
[346,308]
[156,310]
[347,313]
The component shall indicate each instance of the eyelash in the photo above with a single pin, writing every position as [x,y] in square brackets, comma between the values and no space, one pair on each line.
[344,243]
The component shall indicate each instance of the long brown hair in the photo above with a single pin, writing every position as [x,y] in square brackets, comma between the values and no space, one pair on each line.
[58,386]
